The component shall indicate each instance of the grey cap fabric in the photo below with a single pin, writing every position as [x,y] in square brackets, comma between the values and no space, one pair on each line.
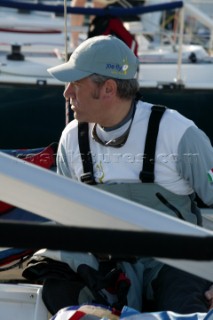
[103,55]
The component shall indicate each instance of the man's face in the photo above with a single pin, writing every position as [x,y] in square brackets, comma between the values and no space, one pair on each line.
[85,99]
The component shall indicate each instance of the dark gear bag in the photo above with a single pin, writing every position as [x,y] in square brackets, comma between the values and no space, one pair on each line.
[104,25]
[63,287]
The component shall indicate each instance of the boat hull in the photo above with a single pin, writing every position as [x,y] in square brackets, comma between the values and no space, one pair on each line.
[31,116]
[34,116]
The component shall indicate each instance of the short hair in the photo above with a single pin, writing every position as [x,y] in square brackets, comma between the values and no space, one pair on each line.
[127,88]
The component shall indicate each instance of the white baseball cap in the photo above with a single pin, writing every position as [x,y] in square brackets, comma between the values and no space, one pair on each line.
[103,55]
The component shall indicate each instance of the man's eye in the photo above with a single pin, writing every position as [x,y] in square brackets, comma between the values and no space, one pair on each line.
[75,84]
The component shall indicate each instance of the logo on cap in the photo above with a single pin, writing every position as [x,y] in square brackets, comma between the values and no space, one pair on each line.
[117,68]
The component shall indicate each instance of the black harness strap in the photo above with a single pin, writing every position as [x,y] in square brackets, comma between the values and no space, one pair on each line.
[147,173]
[86,157]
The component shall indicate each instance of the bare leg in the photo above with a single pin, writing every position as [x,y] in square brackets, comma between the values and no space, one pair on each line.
[77,20]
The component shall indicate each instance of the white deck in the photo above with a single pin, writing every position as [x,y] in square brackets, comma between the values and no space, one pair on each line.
[22,302]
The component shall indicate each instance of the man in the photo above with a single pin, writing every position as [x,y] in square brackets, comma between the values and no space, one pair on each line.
[102,91]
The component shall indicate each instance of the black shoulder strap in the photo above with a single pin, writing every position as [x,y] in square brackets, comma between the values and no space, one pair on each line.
[147,173]
[83,140]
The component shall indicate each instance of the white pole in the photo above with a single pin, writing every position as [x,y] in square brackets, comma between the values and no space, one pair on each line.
[203,18]
[180,47]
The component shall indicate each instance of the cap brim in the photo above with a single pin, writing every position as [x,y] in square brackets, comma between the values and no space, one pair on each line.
[67,73]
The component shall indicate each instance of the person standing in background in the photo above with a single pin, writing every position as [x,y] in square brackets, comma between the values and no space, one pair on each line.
[77,20]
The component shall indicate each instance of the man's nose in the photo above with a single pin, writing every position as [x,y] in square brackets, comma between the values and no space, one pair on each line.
[68,91]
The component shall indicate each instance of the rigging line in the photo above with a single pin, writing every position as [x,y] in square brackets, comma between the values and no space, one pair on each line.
[65,30]
[67,104]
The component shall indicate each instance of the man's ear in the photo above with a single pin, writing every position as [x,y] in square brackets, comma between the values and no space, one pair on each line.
[110,88]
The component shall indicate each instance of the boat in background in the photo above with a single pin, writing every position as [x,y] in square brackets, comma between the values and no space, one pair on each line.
[33,111]
[32,108]
[182,78]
